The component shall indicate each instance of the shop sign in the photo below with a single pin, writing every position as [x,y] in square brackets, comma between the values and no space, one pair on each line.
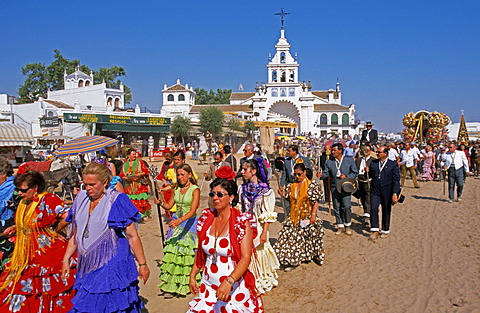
[49,121]
[115,119]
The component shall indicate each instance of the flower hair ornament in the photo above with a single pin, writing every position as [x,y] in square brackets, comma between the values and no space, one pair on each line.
[225,172]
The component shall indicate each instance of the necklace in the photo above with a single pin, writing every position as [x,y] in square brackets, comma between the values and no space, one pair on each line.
[215,254]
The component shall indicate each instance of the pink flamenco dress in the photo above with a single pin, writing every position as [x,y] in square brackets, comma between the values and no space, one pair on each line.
[243,297]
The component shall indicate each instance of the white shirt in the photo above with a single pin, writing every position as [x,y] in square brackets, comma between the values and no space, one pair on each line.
[408,157]
[458,158]
[393,154]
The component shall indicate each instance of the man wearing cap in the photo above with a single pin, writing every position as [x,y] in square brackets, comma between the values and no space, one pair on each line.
[455,163]
[369,135]
[384,191]
[337,169]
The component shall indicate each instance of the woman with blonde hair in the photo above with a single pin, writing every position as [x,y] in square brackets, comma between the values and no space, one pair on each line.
[182,239]
[106,238]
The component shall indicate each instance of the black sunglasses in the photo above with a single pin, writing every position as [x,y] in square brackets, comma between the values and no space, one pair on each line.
[22,190]
[218,193]
[298,174]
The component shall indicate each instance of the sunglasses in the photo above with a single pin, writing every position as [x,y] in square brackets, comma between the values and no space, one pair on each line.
[218,194]
[298,174]
[380,152]
[22,190]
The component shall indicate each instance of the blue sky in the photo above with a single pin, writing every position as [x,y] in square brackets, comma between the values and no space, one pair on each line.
[391,57]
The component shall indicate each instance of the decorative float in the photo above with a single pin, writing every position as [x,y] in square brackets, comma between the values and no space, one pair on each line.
[426,127]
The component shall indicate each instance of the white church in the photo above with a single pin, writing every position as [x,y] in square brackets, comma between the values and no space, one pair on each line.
[282,99]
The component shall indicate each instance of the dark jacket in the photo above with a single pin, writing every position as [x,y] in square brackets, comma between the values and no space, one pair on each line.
[389,181]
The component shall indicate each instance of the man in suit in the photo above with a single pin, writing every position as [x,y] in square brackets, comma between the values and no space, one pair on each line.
[215,165]
[293,157]
[248,155]
[369,135]
[338,168]
[384,191]
[229,157]
[364,180]
[455,162]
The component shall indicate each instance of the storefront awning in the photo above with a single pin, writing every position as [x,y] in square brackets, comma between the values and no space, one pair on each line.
[15,135]
[135,128]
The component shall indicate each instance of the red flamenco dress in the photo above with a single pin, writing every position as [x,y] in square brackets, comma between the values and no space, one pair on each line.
[32,280]
[135,190]
[243,297]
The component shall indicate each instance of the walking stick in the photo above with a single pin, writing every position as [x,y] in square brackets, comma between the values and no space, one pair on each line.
[154,173]
[282,199]
[444,179]
[330,196]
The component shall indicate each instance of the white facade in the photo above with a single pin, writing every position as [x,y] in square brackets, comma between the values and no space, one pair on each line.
[473,129]
[177,100]
[286,99]
[79,88]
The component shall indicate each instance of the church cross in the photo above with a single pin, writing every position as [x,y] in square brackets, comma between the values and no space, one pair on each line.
[282,13]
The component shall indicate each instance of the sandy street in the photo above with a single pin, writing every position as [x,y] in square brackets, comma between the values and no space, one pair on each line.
[429,263]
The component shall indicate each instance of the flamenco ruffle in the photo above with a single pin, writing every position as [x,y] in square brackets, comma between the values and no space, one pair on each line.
[178,259]
[116,300]
[122,213]
[296,244]
[268,264]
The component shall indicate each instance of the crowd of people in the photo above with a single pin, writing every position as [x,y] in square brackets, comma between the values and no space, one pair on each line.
[87,256]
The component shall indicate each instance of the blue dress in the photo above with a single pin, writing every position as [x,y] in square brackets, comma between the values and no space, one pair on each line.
[114,286]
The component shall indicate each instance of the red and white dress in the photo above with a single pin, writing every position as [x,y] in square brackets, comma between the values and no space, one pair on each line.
[241,298]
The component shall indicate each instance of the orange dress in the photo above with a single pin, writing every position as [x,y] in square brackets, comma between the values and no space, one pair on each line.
[135,190]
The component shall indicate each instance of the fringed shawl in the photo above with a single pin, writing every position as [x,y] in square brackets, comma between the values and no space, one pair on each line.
[96,249]
[237,228]
[26,231]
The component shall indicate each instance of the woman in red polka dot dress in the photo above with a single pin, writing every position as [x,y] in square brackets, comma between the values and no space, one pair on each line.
[225,239]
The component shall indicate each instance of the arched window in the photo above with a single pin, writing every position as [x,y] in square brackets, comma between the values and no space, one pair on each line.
[274,76]
[345,119]
[109,101]
[170,98]
[282,57]
[87,83]
[334,119]
[181,97]
[283,79]
[292,76]
[117,103]
[80,83]
[323,119]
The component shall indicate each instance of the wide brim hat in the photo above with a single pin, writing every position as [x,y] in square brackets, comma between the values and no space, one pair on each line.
[279,163]
[347,185]
[368,124]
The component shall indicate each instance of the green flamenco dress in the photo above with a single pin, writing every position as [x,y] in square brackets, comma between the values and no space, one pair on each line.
[180,247]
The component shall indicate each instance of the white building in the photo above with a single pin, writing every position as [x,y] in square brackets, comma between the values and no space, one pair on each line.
[177,100]
[79,88]
[284,98]
[473,129]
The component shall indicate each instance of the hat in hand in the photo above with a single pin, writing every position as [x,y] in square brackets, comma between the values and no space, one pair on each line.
[347,186]
[400,197]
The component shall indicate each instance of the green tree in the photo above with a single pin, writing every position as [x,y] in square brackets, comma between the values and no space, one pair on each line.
[250,127]
[221,96]
[212,119]
[180,127]
[41,77]
[234,124]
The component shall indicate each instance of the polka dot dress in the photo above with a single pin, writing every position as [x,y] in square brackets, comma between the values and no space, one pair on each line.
[240,299]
